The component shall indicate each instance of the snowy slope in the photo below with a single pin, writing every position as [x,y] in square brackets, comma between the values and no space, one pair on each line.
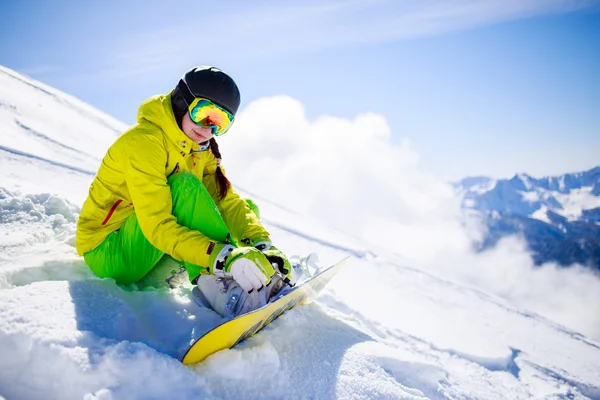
[43,127]
[381,328]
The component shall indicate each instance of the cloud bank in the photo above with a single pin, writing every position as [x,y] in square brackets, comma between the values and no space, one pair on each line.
[353,176]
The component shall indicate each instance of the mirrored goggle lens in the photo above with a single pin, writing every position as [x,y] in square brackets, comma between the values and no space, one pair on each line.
[209,115]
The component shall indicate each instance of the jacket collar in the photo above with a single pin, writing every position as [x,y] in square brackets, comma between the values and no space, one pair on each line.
[158,111]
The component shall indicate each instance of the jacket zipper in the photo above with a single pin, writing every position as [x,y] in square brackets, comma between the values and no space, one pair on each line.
[112,210]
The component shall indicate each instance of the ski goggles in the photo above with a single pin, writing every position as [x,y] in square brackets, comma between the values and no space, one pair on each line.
[207,114]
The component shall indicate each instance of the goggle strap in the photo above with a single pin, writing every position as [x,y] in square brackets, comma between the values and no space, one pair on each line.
[189,92]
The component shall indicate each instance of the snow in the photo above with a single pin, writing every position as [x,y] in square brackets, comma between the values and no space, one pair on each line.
[526,181]
[531,197]
[541,214]
[576,201]
[381,329]
[561,183]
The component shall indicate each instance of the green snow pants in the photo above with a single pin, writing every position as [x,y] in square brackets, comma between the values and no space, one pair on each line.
[127,256]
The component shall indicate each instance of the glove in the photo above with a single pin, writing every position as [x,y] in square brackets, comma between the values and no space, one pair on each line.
[246,265]
[277,258]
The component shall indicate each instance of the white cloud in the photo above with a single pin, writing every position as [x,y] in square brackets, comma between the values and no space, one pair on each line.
[350,174]
[570,296]
[336,164]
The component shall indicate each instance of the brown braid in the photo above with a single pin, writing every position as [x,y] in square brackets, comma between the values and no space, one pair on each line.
[222,181]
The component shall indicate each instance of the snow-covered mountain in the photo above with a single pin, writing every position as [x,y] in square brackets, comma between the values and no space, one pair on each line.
[381,329]
[559,216]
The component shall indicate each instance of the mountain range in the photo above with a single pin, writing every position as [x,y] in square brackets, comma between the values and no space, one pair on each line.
[558,216]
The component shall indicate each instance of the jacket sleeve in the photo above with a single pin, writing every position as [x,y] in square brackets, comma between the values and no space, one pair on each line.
[151,196]
[239,218]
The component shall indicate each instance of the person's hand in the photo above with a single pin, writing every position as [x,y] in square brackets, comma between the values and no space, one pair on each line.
[277,258]
[248,266]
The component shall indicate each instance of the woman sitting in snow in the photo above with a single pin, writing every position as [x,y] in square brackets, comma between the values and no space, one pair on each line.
[161,190]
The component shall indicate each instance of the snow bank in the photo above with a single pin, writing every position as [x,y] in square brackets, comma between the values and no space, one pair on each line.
[66,334]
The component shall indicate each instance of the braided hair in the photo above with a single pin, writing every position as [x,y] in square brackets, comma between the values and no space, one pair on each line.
[222,182]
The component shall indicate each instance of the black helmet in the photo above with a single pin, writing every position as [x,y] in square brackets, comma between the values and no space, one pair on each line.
[207,82]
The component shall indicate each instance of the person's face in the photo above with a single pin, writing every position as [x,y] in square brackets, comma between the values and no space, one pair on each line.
[195,132]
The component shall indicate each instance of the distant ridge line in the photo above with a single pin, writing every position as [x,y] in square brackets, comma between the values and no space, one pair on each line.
[58,164]
[64,98]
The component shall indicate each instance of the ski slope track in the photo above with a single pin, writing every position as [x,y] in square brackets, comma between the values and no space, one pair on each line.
[381,329]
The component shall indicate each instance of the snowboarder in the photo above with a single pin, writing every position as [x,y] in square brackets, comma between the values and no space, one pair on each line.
[161,190]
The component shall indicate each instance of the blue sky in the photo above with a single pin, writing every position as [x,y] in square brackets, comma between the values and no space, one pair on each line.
[479,88]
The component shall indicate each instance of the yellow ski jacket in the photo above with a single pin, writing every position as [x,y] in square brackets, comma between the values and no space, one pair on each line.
[133,175]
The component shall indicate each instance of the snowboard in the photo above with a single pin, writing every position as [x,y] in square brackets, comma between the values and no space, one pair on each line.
[234,331]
